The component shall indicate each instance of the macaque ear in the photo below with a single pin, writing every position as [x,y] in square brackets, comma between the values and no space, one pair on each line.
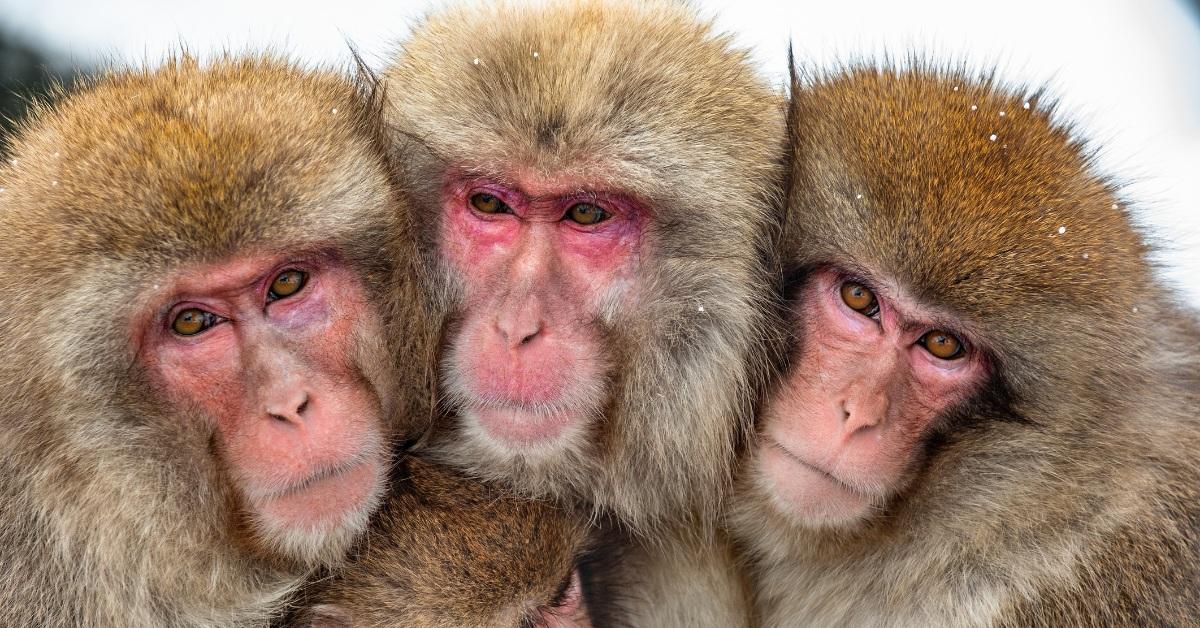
[329,616]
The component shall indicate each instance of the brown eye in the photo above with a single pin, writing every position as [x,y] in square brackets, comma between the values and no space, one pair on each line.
[942,345]
[586,214]
[192,321]
[860,298]
[288,282]
[488,204]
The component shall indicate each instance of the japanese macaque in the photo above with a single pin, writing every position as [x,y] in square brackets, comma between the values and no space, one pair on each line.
[452,551]
[989,416]
[596,178]
[197,388]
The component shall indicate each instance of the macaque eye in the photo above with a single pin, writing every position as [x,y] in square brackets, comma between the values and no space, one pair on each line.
[942,345]
[488,204]
[860,298]
[586,214]
[192,321]
[286,284]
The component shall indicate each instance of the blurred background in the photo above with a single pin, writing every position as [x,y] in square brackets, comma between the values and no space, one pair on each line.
[1127,70]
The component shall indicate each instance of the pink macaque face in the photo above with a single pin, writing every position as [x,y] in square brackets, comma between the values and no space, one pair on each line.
[541,265]
[848,422]
[264,347]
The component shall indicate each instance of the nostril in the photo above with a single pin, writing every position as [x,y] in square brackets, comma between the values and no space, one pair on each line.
[302,407]
[528,339]
[278,417]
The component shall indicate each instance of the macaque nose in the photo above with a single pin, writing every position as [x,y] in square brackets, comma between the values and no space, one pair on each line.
[288,403]
[519,324]
[862,412]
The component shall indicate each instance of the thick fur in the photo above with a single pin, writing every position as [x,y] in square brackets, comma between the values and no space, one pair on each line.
[114,509]
[1068,492]
[635,96]
[450,551]
[682,580]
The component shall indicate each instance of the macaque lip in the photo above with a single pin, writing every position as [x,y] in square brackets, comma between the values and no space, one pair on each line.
[324,498]
[812,467]
[516,426]
[808,492]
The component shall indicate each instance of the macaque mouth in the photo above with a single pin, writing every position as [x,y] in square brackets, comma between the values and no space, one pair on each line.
[324,498]
[831,478]
[321,476]
[526,424]
[329,478]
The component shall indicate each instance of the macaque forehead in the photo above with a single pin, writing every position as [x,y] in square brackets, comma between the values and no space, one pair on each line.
[574,86]
[984,199]
[243,171]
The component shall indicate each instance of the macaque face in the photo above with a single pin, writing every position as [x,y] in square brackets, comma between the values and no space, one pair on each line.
[264,348]
[543,266]
[847,424]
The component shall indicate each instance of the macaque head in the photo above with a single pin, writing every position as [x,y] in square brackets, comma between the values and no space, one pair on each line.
[596,178]
[448,550]
[217,265]
[932,217]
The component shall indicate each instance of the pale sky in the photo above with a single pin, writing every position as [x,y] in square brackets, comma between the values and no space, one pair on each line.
[1127,70]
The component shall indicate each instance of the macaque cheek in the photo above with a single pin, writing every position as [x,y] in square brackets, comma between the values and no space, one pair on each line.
[469,241]
[600,256]
[204,375]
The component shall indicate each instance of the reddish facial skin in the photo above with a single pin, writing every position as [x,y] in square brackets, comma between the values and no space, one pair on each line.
[526,363]
[301,441]
[571,611]
[846,424]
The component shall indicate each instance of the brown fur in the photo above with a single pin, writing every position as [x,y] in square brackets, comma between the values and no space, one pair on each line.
[635,96]
[451,551]
[1068,491]
[115,510]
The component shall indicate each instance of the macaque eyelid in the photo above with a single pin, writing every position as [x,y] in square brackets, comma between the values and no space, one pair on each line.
[506,197]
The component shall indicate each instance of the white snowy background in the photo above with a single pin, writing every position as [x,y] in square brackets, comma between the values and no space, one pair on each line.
[1127,70]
